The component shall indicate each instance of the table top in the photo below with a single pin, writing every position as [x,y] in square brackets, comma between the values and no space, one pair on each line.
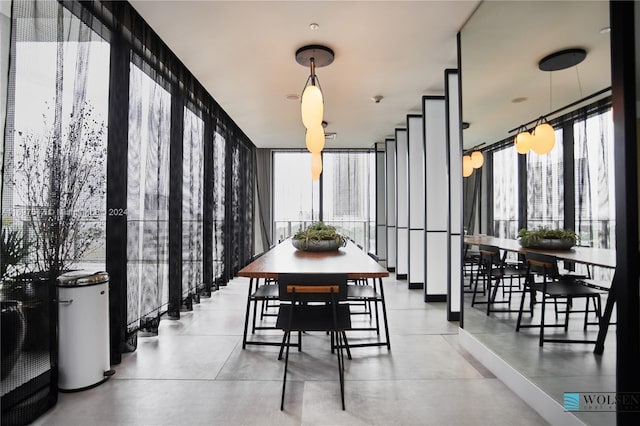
[285,258]
[588,255]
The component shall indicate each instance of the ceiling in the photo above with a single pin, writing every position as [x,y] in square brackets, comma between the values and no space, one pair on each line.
[243,52]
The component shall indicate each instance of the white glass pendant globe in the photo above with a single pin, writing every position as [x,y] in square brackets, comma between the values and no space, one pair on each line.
[544,139]
[523,142]
[477,159]
[311,107]
[467,168]
[316,165]
[315,139]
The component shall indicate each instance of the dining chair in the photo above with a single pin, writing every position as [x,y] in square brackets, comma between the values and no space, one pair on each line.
[312,302]
[496,273]
[554,286]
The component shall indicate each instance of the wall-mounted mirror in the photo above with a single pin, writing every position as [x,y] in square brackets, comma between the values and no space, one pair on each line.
[502,89]
[501,45]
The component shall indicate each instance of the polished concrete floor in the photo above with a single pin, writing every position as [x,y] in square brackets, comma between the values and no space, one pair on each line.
[196,372]
[555,368]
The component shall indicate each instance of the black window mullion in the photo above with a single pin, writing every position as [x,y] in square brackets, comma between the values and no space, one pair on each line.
[569,176]
[522,191]
[175,205]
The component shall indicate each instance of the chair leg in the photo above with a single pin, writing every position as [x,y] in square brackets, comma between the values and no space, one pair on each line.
[284,342]
[340,355]
[524,295]
[286,365]
[346,344]
[544,302]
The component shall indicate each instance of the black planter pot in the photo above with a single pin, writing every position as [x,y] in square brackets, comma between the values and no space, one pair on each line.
[35,292]
[13,334]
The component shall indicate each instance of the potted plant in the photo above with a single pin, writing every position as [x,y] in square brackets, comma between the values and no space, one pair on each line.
[545,238]
[12,250]
[318,237]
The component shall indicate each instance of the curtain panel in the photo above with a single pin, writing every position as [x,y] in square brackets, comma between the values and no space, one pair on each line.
[174,209]
[53,186]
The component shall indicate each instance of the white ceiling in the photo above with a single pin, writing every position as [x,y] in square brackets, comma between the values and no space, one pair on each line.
[243,52]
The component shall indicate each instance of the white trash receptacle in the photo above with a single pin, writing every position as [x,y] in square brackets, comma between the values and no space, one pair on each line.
[83,330]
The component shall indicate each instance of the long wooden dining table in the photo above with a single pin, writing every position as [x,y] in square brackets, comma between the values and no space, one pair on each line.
[590,256]
[285,258]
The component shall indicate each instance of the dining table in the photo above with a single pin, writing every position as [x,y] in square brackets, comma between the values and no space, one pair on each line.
[285,258]
[589,256]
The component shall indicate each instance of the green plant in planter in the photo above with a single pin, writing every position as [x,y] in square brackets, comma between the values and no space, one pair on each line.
[531,238]
[318,232]
[12,250]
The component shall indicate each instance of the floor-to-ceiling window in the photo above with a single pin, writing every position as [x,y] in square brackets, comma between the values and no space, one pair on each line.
[505,193]
[53,189]
[545,188]
[348,194]
[296,197]
[594,180]
[147,199]
[343,197]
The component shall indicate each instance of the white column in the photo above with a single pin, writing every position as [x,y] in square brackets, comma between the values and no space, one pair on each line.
[437,199]
[381,203]
[415,139]
[391,204]
[402,204]
[454,142]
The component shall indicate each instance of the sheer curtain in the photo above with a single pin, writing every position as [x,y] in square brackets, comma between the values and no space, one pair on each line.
[505,192]
[147,201]
[594,198]
[54,183]
[192,205]
[545,188]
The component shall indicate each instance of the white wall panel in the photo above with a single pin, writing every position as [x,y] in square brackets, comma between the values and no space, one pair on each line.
[402,200]
[437,198]
[391,203]
[437,264]
[415,137]
[454,148]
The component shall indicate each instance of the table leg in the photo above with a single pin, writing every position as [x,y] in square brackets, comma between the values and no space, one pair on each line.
[246,318]
[384,315]
[605,319]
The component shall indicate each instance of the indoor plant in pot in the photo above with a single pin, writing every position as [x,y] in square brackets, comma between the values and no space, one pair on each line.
[12,250]
[545,238]
[318,237]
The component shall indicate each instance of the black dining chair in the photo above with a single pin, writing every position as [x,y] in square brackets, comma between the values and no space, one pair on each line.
[553,286]
[496,274]
[312,302]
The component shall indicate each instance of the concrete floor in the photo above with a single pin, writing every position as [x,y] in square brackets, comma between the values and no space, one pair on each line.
[196,372]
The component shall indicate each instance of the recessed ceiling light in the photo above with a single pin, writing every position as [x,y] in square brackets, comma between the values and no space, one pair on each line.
[314,26]
[293,97]
[605,30]
[519,99]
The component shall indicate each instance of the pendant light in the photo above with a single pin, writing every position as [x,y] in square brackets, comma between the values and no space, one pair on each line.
[467,168]
[316,165]
[543,138]
[522,140]
[314,139]
[477,159]
[312,99]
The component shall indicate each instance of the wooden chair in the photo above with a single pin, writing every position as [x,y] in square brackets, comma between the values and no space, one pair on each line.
[311,302]
[553,287]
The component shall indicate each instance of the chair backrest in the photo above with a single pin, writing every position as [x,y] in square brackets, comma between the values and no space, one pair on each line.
[542,264]
[312,287]
[490,256]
